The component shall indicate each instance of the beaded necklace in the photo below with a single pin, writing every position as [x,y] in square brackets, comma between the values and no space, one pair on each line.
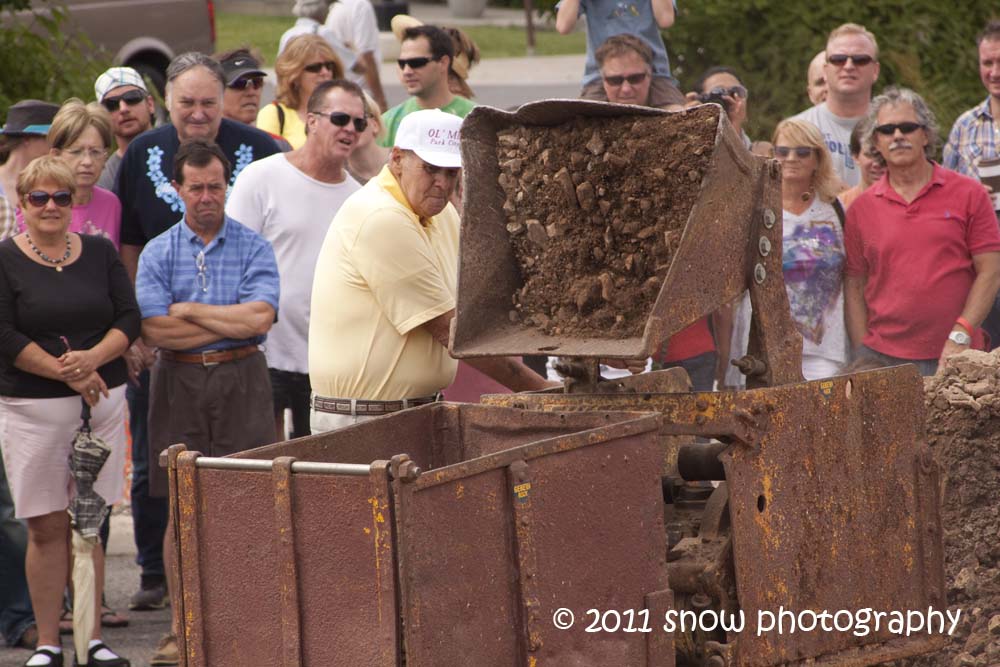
[51,260]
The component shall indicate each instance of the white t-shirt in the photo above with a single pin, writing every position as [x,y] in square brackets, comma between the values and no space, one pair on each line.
[837,133]
[812,266]
[307,26]
[293,212]
[354,25]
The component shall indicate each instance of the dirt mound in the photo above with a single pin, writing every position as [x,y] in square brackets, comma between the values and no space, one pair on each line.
[596,208]
[963,430]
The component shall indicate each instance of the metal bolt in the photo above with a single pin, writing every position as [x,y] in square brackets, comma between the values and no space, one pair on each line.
[701,404]
[759,273]
[700,420]
[764,246]
[769,218]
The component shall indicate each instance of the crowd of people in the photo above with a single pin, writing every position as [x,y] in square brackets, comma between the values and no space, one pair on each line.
[248,272]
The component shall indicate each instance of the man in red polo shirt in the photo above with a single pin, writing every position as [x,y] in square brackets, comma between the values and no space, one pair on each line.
[923,246]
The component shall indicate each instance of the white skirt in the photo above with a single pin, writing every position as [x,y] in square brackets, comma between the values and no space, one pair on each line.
[36,437]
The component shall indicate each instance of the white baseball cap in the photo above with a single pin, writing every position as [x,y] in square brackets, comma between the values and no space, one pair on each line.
[117,76]
[433,135]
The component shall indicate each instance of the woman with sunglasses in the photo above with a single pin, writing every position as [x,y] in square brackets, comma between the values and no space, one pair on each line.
[813,246]
[306,61]
[81,137]
[67,313]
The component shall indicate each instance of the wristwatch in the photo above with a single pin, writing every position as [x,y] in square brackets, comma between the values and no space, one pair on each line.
[960,338]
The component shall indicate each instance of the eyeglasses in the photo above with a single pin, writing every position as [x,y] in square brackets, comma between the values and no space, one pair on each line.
[341,119]
[40,198]
[93,153]
[130,98]
[414,63]
[255,82]
[889,129]
[616,80]
[199,262]
[859,60]
[801,152]
[314,68]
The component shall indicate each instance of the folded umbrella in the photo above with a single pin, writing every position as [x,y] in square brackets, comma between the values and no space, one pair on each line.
[87,511]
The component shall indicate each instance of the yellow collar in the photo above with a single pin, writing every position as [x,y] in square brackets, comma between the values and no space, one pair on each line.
[389,183]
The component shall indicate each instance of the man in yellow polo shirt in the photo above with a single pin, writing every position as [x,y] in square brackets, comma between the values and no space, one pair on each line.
[385,286]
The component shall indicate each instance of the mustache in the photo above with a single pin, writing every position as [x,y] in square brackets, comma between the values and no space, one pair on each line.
[900,144]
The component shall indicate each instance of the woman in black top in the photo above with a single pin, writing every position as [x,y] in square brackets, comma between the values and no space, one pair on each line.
[67,313]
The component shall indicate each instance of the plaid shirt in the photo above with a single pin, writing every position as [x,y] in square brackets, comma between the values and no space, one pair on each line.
[974,137]
[238,267]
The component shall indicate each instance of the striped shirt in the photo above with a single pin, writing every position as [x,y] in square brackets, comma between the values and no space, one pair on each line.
[975,136]
[8,219]
[237,266]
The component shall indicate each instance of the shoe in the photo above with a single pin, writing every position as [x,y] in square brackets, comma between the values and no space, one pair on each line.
[111,619]
[28,638]
[148,599]
[66,622]
[116,661]
[167,652]
[55,659]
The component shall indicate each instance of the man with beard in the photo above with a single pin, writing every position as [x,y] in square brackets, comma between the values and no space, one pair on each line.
[123,93]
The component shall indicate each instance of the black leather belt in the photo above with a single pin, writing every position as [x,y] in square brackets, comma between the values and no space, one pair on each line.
[352,406]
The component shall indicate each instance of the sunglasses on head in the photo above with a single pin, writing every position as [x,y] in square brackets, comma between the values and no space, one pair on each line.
[616,80]
[131,98]
[244,82]
[40,198]
[316,67]
[859,60]
[414,63]
[800,151]
[889,129]
[341,119]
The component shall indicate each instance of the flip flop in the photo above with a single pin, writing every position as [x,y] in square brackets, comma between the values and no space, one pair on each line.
[111,619]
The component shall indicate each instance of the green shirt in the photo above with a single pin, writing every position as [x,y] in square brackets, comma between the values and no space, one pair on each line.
[459,106]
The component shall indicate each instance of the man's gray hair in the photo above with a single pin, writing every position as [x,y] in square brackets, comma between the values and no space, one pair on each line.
[188,61]
[894,96]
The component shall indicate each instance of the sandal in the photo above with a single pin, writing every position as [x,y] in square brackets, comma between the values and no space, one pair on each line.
[55,659]
[116,661]
[66,622]
[111,619]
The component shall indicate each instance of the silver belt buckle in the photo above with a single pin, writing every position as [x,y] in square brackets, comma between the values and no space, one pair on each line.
[205,362]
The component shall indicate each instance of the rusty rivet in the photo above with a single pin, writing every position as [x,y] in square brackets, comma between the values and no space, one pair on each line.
[764,246]
[701,404]
[759,273]
[769,218]
[700,420]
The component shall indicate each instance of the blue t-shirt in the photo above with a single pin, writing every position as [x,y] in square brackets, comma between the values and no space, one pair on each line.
[607,18]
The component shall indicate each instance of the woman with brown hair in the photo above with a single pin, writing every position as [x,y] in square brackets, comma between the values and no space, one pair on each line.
[67,313]
[307,61]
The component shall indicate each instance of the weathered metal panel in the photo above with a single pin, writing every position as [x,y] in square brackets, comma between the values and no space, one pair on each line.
[490,549]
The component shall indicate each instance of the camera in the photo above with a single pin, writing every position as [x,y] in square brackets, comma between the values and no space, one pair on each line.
[716,95]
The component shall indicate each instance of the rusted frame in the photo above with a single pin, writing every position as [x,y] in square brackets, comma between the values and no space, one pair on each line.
[185,560]
[519,484]
[291,612]
[389,631]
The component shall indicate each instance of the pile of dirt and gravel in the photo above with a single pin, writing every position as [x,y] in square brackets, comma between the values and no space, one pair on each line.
[963,430]
[595,208]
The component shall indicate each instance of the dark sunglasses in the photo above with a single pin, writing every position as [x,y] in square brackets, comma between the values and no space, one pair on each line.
[341,119]
[800,151]
[244,82]
[616,80]
[131,98]
[316,67]
[414,63]
[40,198]
[889,129]
[840,59]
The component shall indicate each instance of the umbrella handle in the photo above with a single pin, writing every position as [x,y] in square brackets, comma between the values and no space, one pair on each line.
[85,416]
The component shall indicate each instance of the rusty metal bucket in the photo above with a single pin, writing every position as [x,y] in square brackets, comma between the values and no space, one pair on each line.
[832,504]
[711,266]
[335,555]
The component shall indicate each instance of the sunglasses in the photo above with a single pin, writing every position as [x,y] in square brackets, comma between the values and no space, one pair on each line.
[782,152]
[341,119]
[616,80]
[131,98]
[840,59]
[244,82]
[314,68]
[414,63]
[889,129]
[40,198]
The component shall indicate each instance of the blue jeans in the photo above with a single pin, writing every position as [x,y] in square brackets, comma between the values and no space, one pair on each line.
[701,370]
[925,367]
[149,515]
[15,602]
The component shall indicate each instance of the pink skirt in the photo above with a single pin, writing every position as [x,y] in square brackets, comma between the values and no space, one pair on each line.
[36,437]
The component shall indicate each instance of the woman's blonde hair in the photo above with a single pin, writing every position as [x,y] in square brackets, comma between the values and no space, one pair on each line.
[73,118]
[45,168]
[298,53]
[374,115]
[803,133]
